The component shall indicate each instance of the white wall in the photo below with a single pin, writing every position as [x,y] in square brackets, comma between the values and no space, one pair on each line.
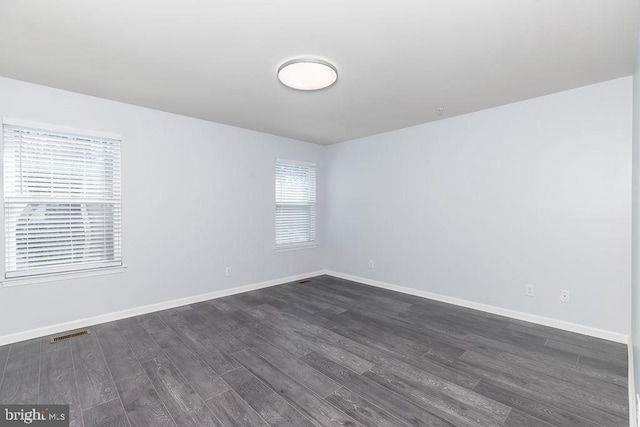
[197,197]
[635,320]
[476,206]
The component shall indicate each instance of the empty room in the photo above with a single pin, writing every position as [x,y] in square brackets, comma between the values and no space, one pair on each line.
[293,213]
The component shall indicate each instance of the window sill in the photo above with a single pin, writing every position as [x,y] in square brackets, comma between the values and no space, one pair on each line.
[54,277]
[295,246]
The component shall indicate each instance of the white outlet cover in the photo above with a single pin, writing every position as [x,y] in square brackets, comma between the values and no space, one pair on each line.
[530,290]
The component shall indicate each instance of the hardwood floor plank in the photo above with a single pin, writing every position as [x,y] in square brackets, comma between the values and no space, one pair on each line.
[566,336]
[301,300]
[248,298]
[269,405]
[415,336]
[297,324]
[594,399]
[609,356]
[46,345]
[362,410]
[385,333]
[411,359]
[479,344]
[389,401]
[462,407]
[203,346]
[233,411]
[536,409]
[205,381]
[129,321]
[120,359]
[545,394]
[521,419]
[391,356]
[20,380]
[26,347]
[301,372]
[183,403]
[95,384]
[318,318]
[297,395]
[393,363]
[310,338]
[108,414]
[222,306]
[573,374]
[58,383]
[142,403]
[366,300]
[144,347]
[216,317]
[4,355]
[152,323]
[288,341]
[610,368]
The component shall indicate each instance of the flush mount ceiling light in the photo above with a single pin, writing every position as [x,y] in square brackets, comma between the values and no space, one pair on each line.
[307,74]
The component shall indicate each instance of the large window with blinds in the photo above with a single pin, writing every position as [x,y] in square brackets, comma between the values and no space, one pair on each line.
[62,203]
[295,204]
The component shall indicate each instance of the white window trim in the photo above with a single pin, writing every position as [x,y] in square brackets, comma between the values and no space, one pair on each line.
[56,128]
[55,277]
[64,275]
[296,162]
[295,246]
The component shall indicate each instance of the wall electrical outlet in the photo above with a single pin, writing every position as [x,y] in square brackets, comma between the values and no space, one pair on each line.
[529,290]
[564,295]
[372,264]
[227,271]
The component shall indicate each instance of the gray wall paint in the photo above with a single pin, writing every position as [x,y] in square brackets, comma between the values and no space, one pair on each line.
[476,206]
[197,197]
[635,310]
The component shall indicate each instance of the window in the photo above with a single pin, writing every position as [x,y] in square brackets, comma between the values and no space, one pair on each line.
[295,204]
[62,205]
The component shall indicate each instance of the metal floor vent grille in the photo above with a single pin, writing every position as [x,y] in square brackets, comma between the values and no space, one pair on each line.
[68,336]
[302,282]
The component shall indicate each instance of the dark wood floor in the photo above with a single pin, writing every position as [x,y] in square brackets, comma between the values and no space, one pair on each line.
[328,352]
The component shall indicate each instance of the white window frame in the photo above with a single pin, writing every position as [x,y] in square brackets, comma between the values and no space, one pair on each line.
[61,275]
[298,245]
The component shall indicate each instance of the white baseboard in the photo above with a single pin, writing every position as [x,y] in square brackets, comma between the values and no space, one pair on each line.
[546,321]
[633,400]
[137,311]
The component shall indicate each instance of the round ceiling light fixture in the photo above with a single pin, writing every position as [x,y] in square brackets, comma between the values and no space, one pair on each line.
[307,74]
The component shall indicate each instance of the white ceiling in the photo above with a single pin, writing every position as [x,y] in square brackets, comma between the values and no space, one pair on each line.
[397,61]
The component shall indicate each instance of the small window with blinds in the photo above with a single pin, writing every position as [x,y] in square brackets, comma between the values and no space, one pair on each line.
[295,204]
[62,204]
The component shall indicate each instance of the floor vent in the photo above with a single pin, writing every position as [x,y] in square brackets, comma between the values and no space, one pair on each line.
[302,282]
[73,335]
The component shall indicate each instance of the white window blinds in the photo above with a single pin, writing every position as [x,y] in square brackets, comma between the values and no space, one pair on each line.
[62,203]
[295,203]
